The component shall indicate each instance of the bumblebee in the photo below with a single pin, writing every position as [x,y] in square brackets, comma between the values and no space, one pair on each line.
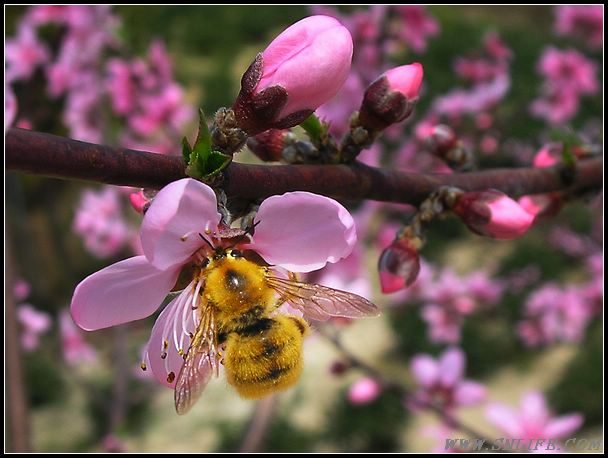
[261,351]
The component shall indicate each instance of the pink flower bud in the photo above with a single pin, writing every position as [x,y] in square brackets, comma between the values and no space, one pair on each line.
[493,214]
[301,69]
[364,391]
[391,97]
[399,265]
[548,155]
[406,79]
[541,205]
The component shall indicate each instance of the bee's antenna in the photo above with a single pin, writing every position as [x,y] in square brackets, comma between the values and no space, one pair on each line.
[206,241]
[250,229]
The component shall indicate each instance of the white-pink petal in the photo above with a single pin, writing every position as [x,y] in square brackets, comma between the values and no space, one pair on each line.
[301,231]
[179,213]
[169,334]
[451,366]
[506,419]
[425,370]
[534,410]
[562,427]
[126,291]
[469,393]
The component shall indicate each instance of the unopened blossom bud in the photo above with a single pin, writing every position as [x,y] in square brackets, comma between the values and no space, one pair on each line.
[399,264]
[391,97]
[301,69]
[141,200]
[493,214]
[542,205]
[268,145]
[548,155]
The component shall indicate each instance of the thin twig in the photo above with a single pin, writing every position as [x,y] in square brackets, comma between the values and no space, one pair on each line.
[50,155]
[15,394]
[258,426]
[399,390]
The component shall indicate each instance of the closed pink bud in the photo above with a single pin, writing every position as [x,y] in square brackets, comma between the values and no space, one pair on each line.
[493,214]
[406,79]
[399,265]
[548,155]
[541,205]
[364,391]
[391,97]
[300,70]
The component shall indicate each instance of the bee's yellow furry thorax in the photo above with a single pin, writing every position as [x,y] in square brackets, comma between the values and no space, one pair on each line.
[234,285]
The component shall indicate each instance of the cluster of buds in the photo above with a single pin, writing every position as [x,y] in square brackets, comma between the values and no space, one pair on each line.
[441,141]
[490,213]
[301,69]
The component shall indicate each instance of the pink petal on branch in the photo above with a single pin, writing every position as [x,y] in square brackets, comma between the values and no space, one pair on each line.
[301,231]
[126,291]
[179,213]
[451,367]
[425,370]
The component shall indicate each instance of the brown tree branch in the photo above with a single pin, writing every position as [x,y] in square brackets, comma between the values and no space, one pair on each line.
[46,154]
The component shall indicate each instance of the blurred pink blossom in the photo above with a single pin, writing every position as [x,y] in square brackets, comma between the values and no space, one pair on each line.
[479,98]
[364,391]
[337,111]
[23,54]
[569,70]
[416,26]
[532,420]
[581,21]
[555,314]
[21,290]
[441,381]
[75,348]
[100,222]
[33,324]
[567,76]
[448,298]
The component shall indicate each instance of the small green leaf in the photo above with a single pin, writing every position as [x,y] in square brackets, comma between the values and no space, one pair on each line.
[315,129]
[186,150]
[203,139]
[202,161]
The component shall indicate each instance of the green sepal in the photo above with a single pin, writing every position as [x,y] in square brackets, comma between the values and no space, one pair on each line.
[202,161]
[315,129]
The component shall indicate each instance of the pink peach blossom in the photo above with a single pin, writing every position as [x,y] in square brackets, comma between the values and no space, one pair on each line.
[24,53]
[417,26]
[581,21]
[442,381]
[33,323]
[533,420]
[297,231]
[99,222]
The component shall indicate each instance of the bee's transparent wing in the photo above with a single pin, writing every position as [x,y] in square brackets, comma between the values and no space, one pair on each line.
[320,302]
[201,361]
